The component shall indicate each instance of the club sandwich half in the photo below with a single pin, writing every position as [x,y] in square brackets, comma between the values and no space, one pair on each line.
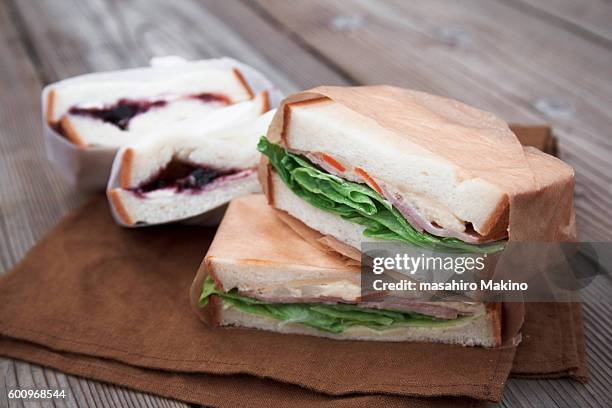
[260,274]
[387,164]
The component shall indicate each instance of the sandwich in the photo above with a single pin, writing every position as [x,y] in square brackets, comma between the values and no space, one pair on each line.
[343,166]
[115,109]
[376,164]
[191,167]
[260,274]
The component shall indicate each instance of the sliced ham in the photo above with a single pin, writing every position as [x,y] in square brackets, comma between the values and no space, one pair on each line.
[403,305]
[419,222]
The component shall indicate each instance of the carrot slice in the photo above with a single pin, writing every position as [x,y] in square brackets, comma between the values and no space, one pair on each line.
[332,162]
[369,180]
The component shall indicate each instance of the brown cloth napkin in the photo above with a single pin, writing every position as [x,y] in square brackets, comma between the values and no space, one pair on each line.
[553,344]
[216,390]
[104,302]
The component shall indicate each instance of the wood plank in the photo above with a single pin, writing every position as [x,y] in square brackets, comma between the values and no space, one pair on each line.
[79,392]
[304,68]
[76,42]
[534,73]
[594,17]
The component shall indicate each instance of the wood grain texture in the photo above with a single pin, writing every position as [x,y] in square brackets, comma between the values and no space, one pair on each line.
[77,42]
[78,392]
[592,17]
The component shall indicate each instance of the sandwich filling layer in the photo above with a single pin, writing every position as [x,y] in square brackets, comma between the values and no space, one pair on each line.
[326,317]
[124,110]
[180,177]
[364,204]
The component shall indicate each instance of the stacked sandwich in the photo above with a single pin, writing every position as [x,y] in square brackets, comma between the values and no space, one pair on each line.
[347,165]
[182,134]
[88,118]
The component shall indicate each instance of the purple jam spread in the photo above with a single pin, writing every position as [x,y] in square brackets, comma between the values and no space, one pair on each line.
[182,176]
[212,97]
[121,112]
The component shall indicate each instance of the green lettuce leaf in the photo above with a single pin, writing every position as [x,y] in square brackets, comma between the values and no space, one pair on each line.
[357,203]
[332,318]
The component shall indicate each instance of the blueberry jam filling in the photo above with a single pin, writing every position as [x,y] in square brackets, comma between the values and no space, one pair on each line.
[212,97]
[183,176]
[121,112]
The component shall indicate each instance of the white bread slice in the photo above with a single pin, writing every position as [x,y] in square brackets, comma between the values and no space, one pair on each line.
[161,206]
[478,331]
[282,198]
[285,281]
[441,191]
[257,253]
[190,79]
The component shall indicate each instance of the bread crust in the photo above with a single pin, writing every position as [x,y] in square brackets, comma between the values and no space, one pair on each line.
[496,226]
[264,174]
[212,311]
[50,107]
[120,209]
[210,271]
[125,171]
[243,82]
[266,102]
[494,311]
[539,136]
[70,133]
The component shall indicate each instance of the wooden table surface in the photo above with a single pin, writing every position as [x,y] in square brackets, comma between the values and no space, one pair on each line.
[529,61]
